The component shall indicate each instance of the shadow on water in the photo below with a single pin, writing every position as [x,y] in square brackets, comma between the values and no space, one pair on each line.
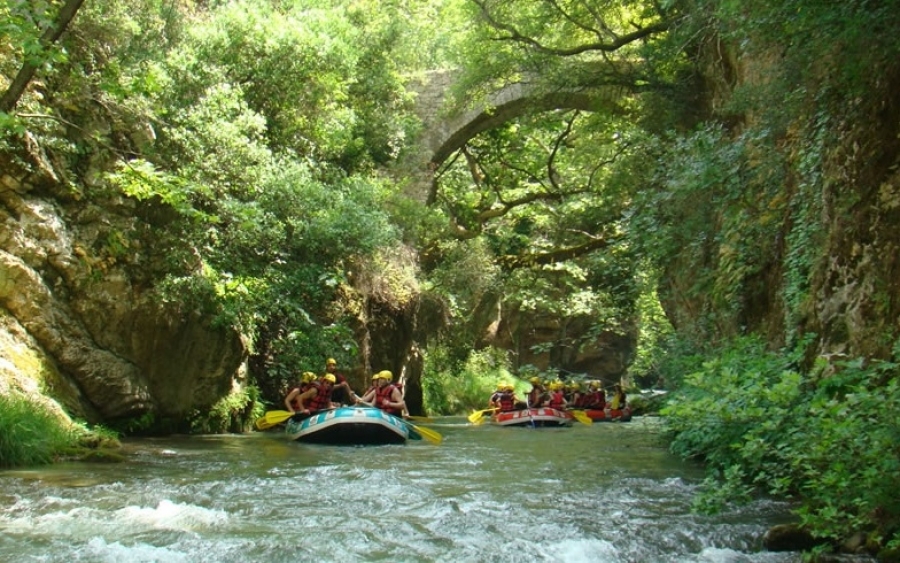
[608,492]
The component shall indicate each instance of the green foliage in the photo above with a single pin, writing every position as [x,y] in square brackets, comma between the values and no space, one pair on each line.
[322,79]
[846,40]
[232,413]
[828,436]
[654,333]
[731,394]
[454,387]
[29,433]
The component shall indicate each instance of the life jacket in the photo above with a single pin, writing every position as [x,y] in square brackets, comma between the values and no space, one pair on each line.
[322,400]
[595,400]
[557,400]
[383,395]
[506,402]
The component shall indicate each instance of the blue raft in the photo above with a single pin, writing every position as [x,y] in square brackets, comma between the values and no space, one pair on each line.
[351,426]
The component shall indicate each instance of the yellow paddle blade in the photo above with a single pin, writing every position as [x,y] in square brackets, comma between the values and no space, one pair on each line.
[272,418]
[261,424]
[428,434]
[478,416]
[581,417]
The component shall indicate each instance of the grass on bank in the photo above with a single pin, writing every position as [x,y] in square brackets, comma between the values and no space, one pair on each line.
[30,434]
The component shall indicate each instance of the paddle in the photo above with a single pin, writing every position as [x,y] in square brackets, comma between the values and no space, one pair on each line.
[272,418]
[528,405]
[581,417]
[477,416]
[426,433]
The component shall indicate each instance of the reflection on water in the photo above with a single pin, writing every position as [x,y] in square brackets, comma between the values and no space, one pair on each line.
[604,493]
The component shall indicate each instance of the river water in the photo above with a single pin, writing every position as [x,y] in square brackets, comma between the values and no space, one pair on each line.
[609,492]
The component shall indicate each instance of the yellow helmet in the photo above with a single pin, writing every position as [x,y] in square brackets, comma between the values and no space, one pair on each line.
[535,380]
[330,362]
[575,386]
[330,377]
[501,386]
[595,384]
[383,374]
[557,385]
[307,377]
[509,387]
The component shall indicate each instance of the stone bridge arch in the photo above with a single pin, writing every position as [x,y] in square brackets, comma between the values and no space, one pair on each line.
[446,129]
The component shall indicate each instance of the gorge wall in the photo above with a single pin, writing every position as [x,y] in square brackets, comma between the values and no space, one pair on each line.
[80,320]
[819,254]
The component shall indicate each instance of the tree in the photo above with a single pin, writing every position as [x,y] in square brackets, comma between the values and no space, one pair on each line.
[32,61]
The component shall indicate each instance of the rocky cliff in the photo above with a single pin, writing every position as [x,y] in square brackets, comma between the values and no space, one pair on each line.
[79,311]
[806,240]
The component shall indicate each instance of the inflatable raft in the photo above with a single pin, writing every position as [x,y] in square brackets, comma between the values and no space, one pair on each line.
[609,415]
[534,417]
[351,426]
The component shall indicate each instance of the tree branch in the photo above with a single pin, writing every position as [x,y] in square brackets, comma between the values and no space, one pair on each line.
[560,254]
[50,36]
[615,44]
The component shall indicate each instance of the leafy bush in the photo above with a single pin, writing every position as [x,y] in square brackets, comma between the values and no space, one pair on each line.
[455,389]
[29,433]
[232,413]
[828,436]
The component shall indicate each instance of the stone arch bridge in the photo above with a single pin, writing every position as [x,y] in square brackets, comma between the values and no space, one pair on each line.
[446,128]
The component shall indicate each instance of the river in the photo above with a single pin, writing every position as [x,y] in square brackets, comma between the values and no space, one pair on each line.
[609,492]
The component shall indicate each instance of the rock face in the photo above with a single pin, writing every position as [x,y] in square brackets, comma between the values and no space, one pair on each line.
[76,294]
[566,344]
[828,251]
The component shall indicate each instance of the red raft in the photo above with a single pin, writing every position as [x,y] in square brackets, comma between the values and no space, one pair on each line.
[609,415]
[534,417]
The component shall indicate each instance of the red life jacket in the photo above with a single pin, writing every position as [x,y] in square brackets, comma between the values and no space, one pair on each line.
[383,395]
[322,400]
[557,400]
[506,402]
[595,400]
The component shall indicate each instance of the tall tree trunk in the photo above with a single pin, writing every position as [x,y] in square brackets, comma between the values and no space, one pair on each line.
[26,73]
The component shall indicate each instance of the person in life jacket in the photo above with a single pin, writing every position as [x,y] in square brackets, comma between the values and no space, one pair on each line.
[306,381]
[317,397]
[342,393]
[574,397]
[369,396]
[595,397]
[384,394]
[538,395]
[618,401]
[504,398]
[494,400]
[557,396]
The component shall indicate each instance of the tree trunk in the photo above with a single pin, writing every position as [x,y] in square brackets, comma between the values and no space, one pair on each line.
[26,73]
